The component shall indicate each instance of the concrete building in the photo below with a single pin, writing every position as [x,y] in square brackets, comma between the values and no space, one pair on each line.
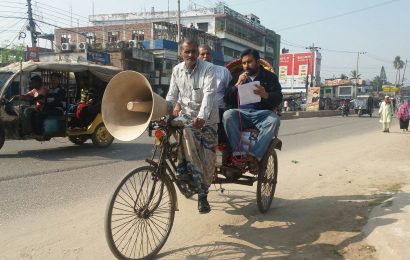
[236,31]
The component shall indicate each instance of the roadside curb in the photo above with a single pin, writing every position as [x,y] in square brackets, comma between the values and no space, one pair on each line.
[388,227]
[308,114]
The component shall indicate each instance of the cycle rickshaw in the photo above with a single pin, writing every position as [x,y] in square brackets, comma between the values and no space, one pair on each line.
[141,211]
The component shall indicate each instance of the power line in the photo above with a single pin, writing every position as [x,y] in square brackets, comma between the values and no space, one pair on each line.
[42,3]
[11,26]
[59,13]
[337,16]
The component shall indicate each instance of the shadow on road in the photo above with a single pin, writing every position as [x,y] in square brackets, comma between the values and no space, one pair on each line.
[312,228]
[117,151]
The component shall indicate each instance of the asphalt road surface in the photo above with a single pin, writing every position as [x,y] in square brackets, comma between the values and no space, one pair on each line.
[53,194]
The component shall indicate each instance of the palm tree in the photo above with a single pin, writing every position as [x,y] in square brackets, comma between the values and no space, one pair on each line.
[398,65]
[354,75]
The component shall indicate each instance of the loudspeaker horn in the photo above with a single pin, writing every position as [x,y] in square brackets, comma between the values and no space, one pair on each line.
[129,104]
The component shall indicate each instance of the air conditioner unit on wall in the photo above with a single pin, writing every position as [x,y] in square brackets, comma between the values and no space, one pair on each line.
[132,43]
[122,44]
[66,46]
[111,45]
[82,46]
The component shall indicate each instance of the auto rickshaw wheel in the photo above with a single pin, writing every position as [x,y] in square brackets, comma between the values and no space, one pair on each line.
[2,137]
[78,139]
[101,137]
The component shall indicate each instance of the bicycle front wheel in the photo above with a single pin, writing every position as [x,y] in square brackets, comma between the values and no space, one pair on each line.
[140,214]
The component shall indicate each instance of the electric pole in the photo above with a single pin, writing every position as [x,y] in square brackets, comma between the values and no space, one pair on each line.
[314,49]
[179,23]
[357,72]
[404,72]
[32,25]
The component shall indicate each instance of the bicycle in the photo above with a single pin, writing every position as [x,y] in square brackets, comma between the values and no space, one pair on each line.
[141,211]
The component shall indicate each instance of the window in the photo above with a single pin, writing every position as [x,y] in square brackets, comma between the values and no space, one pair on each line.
[65,38]
[90,36]
[138,35]
[113,36]
[202,27]
[231,52]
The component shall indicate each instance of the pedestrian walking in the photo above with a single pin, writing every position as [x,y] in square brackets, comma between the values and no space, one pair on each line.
[403,114]
[386,113]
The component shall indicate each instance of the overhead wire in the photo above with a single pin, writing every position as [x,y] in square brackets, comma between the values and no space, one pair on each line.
[60,13]
[11,26]
[337,16]
[50,6]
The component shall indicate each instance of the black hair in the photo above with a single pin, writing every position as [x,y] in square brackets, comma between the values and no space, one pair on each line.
[36,78]
[56,74]
[252,52]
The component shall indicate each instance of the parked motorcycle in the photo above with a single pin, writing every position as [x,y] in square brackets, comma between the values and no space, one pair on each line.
[344,109]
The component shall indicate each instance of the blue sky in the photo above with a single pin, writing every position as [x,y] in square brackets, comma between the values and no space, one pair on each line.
[378,27]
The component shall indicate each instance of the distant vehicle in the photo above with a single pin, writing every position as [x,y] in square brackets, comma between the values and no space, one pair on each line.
[14,122]
[363,104]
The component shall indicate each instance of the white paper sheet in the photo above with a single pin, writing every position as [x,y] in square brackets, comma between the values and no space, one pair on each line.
[246,95]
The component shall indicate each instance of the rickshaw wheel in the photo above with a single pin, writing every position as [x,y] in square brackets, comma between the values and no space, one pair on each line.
[140,214]
[267,180]
[78,139]
[2,137]
[101,137]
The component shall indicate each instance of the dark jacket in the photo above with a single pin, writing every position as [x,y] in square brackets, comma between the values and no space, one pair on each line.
[269,81]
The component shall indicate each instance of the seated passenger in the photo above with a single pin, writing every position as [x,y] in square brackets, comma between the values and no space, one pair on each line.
[56,99]
[38,94]
[261,115]
[93,105]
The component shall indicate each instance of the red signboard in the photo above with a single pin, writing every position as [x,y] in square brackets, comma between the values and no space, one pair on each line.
[33,53]
[294,61]
[295,69]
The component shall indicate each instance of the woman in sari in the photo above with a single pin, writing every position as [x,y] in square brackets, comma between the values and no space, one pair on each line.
[403,114]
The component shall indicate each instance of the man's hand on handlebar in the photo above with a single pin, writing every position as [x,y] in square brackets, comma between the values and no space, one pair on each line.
[198,123]
[176,110]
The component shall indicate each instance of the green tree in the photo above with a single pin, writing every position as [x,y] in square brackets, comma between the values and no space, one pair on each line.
[398,65]
[377,83]
[343,76]
[383,75]
[12,53]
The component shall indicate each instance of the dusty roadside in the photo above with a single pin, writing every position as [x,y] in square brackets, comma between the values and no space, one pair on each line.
[323,201]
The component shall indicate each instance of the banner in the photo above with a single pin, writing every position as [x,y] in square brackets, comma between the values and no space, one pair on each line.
[313,99]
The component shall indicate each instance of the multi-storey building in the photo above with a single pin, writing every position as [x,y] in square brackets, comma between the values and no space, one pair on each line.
[146,41]
[236,31]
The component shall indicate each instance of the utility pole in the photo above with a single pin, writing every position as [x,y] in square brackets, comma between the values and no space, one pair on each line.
[314,49]
[32,25]
[357,72]
[179,24]
[404,72]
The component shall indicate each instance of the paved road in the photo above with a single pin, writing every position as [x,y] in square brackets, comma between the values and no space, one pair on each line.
[37,175]
[37,178]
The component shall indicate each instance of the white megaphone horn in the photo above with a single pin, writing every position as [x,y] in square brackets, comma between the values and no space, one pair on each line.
[129,104]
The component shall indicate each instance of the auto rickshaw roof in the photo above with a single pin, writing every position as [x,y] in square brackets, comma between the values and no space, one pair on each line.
[105,73]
